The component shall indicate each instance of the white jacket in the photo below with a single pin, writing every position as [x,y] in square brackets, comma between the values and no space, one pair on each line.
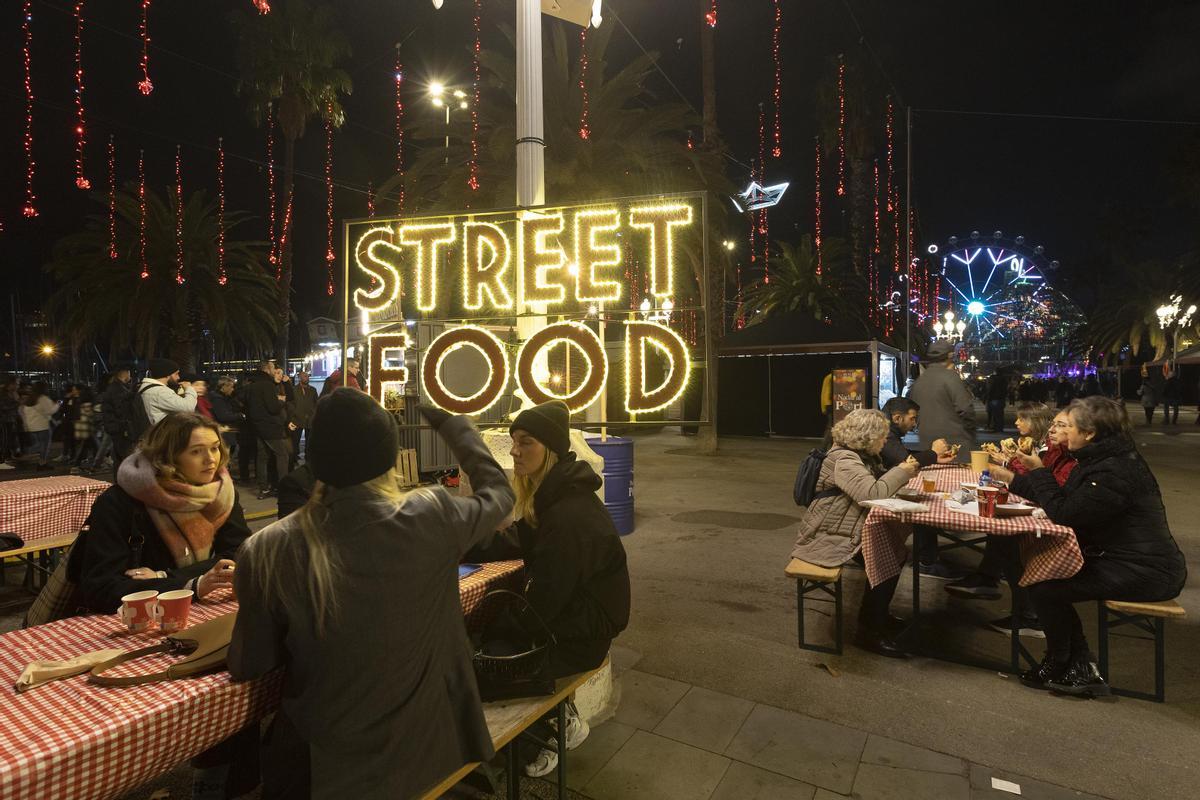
[161,401]
[37,416]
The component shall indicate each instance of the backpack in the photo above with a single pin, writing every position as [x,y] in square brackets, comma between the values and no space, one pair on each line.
[805,490]
[139,418]
[117,413]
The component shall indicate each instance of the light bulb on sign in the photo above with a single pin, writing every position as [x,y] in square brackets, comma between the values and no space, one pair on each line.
[437,4]
[596,17]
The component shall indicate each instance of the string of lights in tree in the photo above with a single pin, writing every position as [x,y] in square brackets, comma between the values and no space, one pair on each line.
[30,208]
[399,77]
[764,239]
[80,124]
[284,229]
[273,255]
[873,268]
[710,16]
[817,205]
[888,130]
[330,256]
[585,129]
[112,199]
[473,168]
[841,131]
[263,6]
[755,178]
[777,92]
[144,85]
[370,200]
[222,277]
[179,216]
[145,273]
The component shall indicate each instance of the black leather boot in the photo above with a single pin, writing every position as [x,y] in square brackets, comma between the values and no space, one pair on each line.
[1081,679]
[878,642]
[1037,677]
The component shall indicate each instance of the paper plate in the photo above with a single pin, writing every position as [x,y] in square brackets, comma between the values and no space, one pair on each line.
[1013,510]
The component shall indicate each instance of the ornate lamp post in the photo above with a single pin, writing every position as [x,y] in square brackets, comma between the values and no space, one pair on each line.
[1172,315]
[949,330]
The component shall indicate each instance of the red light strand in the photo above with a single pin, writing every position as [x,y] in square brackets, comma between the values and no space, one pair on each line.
[370,200]
[144,85]
[283,233]
[179,216]
[222,277]
[876,248]
[585,129]
[330,256]
[399,76]
[80,125]
[764,240]
[112,199]
[263,6]
[273,255]
[30,208]
[841,89]
[145,273]
[473,179]
[710,16]
[817,205]
[890,147]
[776,35]
[873,266]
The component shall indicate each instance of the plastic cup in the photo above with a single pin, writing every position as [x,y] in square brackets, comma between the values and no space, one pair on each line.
[139,610]
[928,484]
[979,460]
[173,609]
[1002,498]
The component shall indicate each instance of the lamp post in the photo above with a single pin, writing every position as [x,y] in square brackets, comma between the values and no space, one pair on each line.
[949,329]
[443,97]
[1172,315]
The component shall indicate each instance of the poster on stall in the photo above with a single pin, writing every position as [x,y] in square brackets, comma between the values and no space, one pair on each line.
[849,392]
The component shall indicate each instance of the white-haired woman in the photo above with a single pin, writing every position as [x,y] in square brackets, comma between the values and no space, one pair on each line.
[831,533]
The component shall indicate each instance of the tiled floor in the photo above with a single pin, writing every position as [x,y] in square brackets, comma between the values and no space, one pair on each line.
[673,741]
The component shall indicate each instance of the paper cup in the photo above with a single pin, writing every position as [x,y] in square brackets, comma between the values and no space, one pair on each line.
[173,609]
[979,460]
[138,610]
[987,500]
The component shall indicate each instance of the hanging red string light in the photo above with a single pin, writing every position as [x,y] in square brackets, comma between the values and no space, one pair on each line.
[370,200]
[777,93]
[585,129]
[756,177]
[144,85]
[263,6]
[30,208]
[112,199]
[178,216]
[399,76]
[80,126]
[876,248]
[142,214]
[890,146]
[841,90]
[473,179]
[330,256]
[710,16]
[817,206]
[222,278]
[273,255]
[764,239]
[873,267]
[691,144]
[283,232]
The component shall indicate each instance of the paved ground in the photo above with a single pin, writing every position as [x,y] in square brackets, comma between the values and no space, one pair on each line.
[716,701]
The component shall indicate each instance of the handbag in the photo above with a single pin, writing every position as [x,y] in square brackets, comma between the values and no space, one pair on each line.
[206,646]
[503,675]
[58,599]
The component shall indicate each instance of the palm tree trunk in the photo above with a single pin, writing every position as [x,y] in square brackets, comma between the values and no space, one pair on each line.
[285,255]
[861,177]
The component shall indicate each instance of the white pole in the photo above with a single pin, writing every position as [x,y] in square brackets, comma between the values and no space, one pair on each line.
[531,165]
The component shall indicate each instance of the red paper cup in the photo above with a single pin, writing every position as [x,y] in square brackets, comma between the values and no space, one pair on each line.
[173,608]
[987,500]
[1002,498]
[138,610]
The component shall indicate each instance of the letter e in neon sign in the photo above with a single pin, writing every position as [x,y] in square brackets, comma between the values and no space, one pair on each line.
[539,259]
[592,255]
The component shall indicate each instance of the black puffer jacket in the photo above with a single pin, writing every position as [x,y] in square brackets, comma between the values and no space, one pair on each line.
[575,564]
[264,408]
[1113,502]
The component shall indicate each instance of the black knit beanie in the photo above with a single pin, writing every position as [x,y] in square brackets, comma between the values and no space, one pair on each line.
[351,439]
[161,367]
[549,423]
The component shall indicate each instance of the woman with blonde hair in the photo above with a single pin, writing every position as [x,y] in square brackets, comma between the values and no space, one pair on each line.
[356,596]
[578,581]
[831,533]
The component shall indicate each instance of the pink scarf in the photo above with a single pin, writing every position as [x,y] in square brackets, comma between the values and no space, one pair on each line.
[187,517]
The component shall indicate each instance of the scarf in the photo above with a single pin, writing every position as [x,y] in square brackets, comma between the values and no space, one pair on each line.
[187,517]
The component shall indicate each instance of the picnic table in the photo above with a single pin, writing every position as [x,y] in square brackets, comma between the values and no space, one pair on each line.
[41,509]
[74,739]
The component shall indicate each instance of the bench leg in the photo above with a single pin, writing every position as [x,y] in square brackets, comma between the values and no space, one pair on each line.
[562,750]
[800,612]
[514,769]
[1160,660]
[837,623]
[1102,638]
[803,587]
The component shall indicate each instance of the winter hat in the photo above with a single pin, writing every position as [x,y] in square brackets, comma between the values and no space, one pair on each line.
[549,424]
[938,352]
[351,439]
[162,367]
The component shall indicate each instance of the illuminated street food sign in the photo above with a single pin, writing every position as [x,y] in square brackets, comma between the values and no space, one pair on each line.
[518,288]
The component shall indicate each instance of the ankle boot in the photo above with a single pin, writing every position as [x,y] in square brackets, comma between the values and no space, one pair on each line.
[1081,679]
[1037,677]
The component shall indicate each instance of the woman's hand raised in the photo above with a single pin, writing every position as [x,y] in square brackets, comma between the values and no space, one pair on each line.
[219,577]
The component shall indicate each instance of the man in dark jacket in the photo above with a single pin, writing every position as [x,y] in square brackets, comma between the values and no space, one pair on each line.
[117,417]
[304,405]
[266,406]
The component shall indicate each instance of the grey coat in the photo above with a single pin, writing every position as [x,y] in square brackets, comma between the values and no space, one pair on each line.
[947,409]
[385,699]
[831,532]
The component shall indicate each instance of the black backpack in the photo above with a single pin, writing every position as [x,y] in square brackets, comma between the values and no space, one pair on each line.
[805,490]
[139,420]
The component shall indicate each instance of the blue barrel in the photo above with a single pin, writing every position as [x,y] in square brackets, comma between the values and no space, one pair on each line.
[617,453]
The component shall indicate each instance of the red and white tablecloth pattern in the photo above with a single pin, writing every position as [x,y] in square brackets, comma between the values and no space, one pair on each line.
[1049,551]
[74,740]
[47,508]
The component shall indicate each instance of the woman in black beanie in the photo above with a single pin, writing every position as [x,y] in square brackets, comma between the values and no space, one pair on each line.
[574,559]
[356,596]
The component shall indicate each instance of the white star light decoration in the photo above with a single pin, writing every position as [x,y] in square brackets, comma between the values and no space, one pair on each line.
[756,197]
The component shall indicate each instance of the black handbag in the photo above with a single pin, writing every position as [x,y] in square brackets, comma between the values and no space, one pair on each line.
[504,669]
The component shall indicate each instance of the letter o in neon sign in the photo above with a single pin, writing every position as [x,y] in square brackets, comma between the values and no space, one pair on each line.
[574,334]
[492,350]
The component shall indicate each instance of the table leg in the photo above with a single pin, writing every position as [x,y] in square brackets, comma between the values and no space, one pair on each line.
[514,767]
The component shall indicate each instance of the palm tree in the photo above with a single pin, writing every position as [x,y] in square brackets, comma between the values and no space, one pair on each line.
[796,286]
[1126,314]
[103,299]
[288,63]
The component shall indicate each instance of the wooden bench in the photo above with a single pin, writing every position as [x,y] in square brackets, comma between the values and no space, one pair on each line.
[40,555]
[812,579]
[1146,617]
[508,719]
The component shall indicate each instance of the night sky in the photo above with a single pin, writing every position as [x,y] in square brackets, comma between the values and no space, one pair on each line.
[1061,183]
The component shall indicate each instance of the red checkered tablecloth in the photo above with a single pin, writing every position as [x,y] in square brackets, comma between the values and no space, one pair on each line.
[47,508]
[74,740]
[1049,551]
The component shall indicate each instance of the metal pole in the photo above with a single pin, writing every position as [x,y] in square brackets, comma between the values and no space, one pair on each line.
[446,162]
[908,243]
[531,165]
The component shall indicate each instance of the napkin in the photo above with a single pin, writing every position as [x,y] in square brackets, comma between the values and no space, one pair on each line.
[38,672]
[963,508]
[896,505]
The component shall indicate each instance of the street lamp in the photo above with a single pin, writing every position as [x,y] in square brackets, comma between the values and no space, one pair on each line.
[950,329]
[1172,315]
[438,96]
[47,349]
